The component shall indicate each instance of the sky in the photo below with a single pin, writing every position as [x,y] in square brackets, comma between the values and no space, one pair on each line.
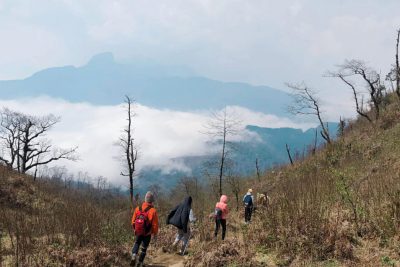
[262,42]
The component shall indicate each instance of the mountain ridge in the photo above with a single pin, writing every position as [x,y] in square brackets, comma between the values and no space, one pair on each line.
[269,149]
[104,81]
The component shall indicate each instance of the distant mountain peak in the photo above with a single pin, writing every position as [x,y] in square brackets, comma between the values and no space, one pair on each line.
[105,58]
[105,81]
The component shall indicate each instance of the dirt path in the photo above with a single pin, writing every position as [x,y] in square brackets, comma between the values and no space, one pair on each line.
[166,260]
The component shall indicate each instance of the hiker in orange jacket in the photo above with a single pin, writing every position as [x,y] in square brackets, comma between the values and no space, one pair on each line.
[221,214]
[145,224]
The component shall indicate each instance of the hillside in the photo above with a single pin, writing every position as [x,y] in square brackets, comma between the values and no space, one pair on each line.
[337,207]
[49,223]
[104,81]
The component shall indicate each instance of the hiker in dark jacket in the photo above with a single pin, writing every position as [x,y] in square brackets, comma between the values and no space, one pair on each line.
[180,217]
[248,202]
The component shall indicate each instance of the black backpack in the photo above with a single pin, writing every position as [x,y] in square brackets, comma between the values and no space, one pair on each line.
[218,213]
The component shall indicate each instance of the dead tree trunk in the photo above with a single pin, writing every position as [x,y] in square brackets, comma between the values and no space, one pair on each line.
[289,155]
[258,170]
[223,154]
[314,149]
[130,153]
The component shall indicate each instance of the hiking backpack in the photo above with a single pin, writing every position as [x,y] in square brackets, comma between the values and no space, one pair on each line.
[142,223]
[218,213]
[248,201]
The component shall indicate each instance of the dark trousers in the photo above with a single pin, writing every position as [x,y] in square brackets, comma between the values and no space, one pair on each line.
[247,213]
[144,241]
[218,223]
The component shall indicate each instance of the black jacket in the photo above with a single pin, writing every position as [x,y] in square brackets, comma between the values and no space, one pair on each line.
[179,216]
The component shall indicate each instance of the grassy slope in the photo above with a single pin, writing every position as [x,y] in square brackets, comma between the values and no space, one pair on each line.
[338,207]
[46,224]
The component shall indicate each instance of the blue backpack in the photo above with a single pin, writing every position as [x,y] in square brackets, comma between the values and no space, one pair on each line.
[248,201]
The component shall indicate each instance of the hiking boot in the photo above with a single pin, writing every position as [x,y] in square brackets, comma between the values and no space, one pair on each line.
[133,261]
[140,264]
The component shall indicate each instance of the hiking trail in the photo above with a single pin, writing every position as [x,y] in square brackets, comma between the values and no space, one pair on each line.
[166,260]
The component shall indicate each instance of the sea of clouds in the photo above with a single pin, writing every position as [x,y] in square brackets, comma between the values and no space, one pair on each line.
[161,135]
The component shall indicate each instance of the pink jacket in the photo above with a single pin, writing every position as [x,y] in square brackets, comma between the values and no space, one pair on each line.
[222,205]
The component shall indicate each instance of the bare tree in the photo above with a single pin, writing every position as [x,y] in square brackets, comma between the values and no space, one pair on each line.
[234,183]
[126,142]
[208,172]
[306,103]
[190,185]
[221,127]
[314,148]
[25,146]
[10,135]
[370,79]
[101,183]
[258,171]
[393,77]
[359,106]
[341,127]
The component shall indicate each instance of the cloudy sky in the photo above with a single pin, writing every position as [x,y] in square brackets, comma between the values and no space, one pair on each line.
[260,42]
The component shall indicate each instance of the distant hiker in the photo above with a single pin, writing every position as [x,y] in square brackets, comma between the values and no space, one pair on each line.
[262,200]
[221,213]
[248,201]
[145,224]
[180,217]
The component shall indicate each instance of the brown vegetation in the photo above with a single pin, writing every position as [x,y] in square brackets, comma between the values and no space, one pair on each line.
[43,223]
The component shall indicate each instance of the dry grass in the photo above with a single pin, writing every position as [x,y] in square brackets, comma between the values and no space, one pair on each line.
[339,207]
[43,223]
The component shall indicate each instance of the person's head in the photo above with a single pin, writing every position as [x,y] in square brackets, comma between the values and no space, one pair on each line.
[250,191]
[224,199]
[149,198]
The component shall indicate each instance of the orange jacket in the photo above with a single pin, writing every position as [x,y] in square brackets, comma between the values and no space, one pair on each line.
[152,215]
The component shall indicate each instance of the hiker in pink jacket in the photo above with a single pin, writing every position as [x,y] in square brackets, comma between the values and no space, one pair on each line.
[221,213]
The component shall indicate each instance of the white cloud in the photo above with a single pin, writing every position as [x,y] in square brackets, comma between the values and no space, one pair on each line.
[161,134]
